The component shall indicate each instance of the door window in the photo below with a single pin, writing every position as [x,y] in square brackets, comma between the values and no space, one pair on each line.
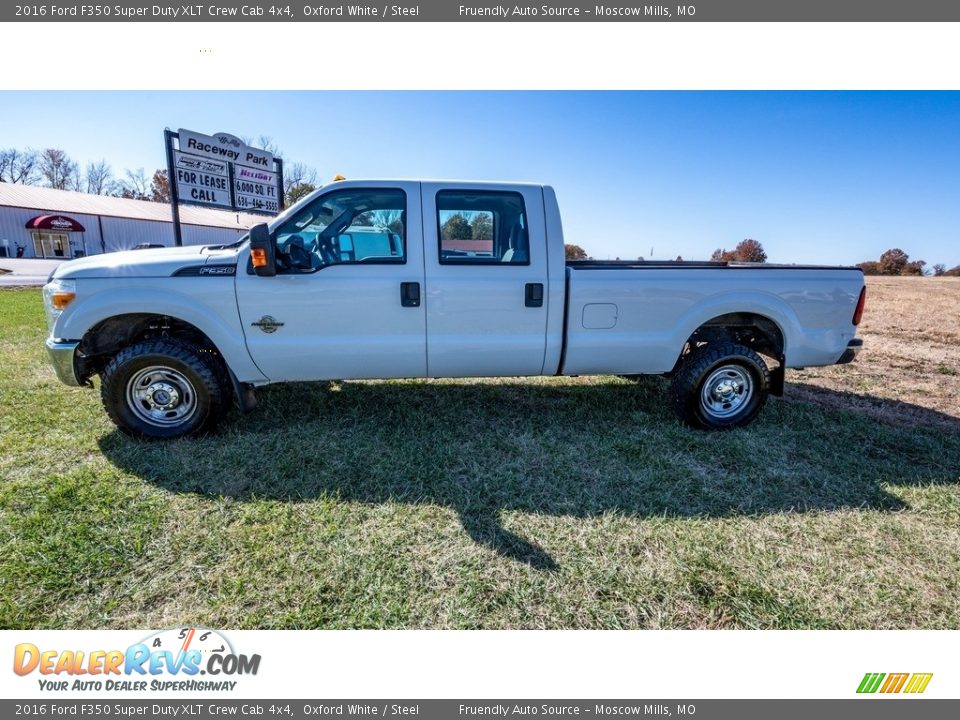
[482,227]
[344,226]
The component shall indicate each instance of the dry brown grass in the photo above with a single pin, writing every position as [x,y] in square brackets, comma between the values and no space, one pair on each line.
[911,358]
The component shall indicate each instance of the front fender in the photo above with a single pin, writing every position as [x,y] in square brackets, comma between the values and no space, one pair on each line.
[210,306]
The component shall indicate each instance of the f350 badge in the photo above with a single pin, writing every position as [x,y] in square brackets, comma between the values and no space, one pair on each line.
[268,324]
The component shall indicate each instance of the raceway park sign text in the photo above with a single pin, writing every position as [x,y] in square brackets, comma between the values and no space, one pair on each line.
[224,146]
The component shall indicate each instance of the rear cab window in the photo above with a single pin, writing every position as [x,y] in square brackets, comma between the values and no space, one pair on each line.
[482,228]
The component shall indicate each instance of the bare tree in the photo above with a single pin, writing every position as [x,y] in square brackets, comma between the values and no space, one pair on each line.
[99,178]
[75,181]
[19,166]
[298,174]
[57,168]
[135,185]
[264,142]
[299,180]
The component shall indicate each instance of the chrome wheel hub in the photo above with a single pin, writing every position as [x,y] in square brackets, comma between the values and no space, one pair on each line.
[161,396]
[726,391]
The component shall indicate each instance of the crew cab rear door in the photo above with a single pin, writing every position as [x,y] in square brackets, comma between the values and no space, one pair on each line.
[347,304]
[486,279]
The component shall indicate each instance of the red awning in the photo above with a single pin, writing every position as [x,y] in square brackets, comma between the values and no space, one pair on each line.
[55,222]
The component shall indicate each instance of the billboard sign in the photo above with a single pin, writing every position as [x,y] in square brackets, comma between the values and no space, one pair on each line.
[222,171]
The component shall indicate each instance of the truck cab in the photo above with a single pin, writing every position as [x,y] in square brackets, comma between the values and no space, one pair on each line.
[408,279]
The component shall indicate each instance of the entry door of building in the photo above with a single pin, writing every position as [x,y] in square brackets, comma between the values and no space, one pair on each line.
[51,245]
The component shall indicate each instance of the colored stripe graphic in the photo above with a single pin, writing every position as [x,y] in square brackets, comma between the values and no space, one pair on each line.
[918,683]
[870,682]
[894,682]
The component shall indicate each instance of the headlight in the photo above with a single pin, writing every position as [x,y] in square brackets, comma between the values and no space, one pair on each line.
[57,294]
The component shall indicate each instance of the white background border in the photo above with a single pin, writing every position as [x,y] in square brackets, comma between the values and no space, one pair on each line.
[774,56]
[561,664]
[545,663]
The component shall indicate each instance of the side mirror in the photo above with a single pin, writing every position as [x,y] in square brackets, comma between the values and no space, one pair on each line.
[263,251]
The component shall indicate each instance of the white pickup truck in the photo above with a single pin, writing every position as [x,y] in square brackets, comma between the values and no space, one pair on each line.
[409,279]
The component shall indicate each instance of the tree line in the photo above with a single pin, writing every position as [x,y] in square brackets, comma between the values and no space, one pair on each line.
[748,250]
[893,262]
[54,168]
[896,262]
[459,227]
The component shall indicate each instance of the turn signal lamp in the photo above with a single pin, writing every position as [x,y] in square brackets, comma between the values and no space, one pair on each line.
[259,257]
[59,300]
[57,294]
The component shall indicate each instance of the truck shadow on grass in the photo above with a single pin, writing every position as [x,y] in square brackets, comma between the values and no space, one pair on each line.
[565,448]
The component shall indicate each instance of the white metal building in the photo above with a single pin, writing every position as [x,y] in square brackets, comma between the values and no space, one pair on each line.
[41,222]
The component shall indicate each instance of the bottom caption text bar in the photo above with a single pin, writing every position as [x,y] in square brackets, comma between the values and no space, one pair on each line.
[874,708]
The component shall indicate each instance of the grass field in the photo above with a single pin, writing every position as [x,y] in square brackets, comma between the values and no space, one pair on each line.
[570,503]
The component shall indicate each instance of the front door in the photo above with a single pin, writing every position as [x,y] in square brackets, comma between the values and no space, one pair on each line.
[345,302]
[486,260]
[50,244]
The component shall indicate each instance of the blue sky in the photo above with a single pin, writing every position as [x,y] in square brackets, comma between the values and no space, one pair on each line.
[833,177]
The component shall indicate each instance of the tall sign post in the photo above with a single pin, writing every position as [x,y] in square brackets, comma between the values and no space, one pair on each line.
[221,171]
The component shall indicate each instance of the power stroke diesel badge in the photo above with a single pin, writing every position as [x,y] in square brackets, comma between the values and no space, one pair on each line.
[268,324]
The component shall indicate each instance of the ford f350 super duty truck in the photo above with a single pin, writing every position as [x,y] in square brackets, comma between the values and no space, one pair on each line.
[407,279]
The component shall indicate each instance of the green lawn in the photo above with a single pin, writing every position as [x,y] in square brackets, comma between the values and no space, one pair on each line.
[569,503]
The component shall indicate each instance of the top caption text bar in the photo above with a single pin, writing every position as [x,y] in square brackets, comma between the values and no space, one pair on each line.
[452,11]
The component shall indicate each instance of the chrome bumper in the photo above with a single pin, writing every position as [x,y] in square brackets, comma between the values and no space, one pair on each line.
[62,353]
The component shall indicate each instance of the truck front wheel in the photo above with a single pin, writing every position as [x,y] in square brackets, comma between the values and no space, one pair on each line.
[720,386]
[161,389]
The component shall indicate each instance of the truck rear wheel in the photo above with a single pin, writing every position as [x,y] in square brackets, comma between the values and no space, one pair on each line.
[720,386]
[161,389]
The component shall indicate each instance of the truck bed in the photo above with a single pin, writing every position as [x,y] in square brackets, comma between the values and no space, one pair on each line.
[637,316]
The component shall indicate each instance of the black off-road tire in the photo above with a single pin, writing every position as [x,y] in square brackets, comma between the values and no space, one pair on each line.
[711,363]
[198,375]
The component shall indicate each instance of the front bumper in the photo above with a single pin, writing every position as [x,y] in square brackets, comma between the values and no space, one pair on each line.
[850,354]
[62,354]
